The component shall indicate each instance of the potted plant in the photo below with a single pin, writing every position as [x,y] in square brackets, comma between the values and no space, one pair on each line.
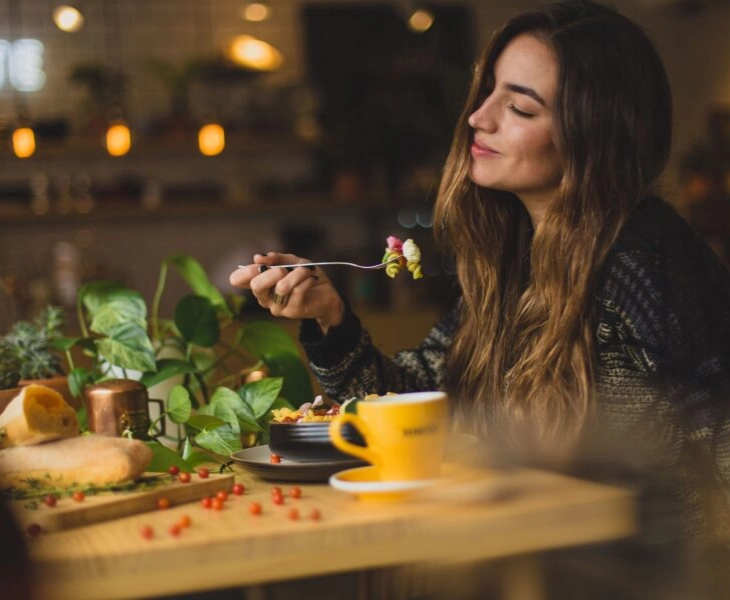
[28,354]
[205,347]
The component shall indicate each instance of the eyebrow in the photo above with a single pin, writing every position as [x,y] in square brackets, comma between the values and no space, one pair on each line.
[521,89]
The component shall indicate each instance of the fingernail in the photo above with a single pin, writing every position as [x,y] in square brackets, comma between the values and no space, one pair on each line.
[263,268]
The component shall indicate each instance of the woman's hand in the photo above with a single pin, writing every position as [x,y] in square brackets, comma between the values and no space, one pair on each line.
[302,293]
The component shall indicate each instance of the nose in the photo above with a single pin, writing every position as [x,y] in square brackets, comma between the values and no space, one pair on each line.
[483,117]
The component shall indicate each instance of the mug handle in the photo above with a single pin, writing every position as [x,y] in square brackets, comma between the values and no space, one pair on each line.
[161,422]
[341,443]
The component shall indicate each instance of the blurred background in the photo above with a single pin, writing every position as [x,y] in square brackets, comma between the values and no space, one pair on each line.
[131,130]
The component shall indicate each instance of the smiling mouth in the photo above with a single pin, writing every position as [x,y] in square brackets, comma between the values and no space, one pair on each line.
[478,149]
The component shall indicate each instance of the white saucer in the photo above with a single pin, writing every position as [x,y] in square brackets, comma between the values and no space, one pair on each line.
[364,482]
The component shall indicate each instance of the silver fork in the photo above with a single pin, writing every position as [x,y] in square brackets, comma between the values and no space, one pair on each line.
[332,264]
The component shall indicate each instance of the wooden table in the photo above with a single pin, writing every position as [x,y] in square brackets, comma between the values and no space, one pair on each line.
[231,547]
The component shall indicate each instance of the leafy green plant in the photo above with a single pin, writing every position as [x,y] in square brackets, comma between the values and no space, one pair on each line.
[27,351]
[212,350]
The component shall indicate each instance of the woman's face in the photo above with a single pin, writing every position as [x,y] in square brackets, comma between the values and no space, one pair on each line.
[513,144]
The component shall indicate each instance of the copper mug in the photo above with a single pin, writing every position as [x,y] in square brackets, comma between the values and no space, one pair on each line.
[117,406]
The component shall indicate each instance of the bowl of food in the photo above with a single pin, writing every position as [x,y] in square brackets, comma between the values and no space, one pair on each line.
[302,435]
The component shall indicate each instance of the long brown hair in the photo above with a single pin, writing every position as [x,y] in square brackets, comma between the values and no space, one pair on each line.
[523,354]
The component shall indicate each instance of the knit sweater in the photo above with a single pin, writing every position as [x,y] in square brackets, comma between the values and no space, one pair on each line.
[661,366]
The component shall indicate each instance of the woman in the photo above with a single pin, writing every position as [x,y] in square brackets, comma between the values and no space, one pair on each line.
[591,318]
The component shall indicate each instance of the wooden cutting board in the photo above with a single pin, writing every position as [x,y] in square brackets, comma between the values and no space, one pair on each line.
[67,513]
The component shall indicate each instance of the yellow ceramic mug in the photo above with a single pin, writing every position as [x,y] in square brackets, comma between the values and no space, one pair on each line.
[405,434]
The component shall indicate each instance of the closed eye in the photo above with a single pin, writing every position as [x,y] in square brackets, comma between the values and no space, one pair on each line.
[519,113]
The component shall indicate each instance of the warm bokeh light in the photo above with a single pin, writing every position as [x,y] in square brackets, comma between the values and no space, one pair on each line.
[118,139]
[256,12]
[23,142]
[68,18]
[211,139]
[421,20]
[252,53]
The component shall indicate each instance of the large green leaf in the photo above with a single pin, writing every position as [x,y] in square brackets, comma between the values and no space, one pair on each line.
[229,406]
[166,368]
[163,458]
[179,406]
[124,306]
[297,386]
[197,321]
[195,276]
[260,395]
[96,293]
[222,440]
[128,346]
[265,337]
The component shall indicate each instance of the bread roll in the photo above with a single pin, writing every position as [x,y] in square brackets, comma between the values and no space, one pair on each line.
[37,414]
[84,460]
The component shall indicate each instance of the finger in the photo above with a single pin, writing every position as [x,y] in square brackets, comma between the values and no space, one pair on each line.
[294,278]
[243,275]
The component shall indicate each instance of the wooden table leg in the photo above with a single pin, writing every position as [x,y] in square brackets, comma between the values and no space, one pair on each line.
[522,579]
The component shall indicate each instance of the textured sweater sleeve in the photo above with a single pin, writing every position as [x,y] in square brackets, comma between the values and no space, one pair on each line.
[347,363]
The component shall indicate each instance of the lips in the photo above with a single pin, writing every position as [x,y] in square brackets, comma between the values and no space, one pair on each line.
[481,149]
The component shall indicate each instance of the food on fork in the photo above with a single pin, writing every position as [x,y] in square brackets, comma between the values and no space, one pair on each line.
[408,255]
[309,412]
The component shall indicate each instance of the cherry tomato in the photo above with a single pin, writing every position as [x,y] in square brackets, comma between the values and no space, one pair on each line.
[147,532]
[293,514]
[163,503]
[276,490]
[50,500]
[239,489]
[255,508]
[295,492]
[222,495]
[277,499]
[203,473]
[173,470]
[185,521]
[184,477]
[174,530]
[34,530]
[218,504]
[79,495]
[207,502]
[315,515]
[275,459]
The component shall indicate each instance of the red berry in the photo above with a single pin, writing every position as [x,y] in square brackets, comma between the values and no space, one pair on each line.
[184,477]
[315,515]
[34,530]
[275,459]
[173,470]
[295,492]
[222,495]
[175,530]
[293,514]
[255,508]
[238,489]
[50,500]
[147,532]
[207,502]
[79,495]
[185,521]
[163,503]
[277,499]
[203,473]
[276,490]
[218,504]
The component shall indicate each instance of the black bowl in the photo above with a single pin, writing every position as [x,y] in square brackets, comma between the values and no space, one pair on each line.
[310,442]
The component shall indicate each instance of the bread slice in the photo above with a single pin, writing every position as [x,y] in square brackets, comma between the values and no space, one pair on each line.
[37,414]
[83,460]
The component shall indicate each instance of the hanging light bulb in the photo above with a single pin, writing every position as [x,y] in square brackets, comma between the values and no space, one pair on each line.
[23,142]
[420,20]
[68,18]
[256,11]
[252,53]
[211,139]
[118,139]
